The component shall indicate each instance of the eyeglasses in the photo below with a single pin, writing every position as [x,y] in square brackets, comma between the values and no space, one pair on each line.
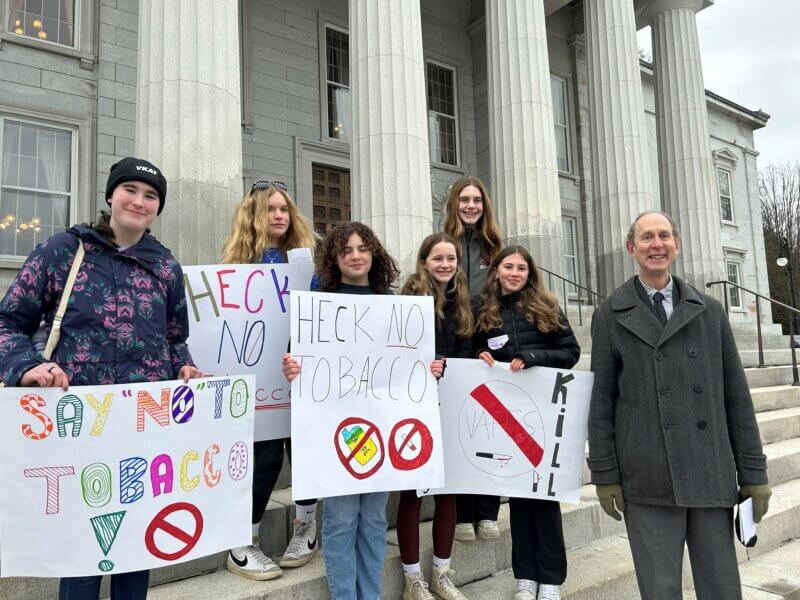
[265,185]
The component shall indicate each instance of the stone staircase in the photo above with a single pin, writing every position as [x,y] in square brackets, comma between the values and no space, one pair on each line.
[600,564]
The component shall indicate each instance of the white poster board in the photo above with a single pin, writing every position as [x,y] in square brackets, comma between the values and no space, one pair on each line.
[117,478]
[520,434]
[239,323]
[365,414]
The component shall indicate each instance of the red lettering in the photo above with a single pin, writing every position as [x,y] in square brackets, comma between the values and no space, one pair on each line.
[223,287]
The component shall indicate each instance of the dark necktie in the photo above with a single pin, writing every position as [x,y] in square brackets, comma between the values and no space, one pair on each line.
[658,303]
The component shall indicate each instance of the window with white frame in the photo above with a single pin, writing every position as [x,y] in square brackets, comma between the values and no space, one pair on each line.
[442,113]
[37,183]
[725,194]
[337,78]
[569,239]
[560,117]
[47,20]
[734,273]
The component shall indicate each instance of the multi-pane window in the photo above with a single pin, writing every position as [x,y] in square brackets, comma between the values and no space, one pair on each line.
[337,75]
[734,276]
[559,89]
[36,184]
[569,240]
[725,197]
[48,20]
[442,117]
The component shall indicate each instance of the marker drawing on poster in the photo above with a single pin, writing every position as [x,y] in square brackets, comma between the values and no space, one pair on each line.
[365,414]
[239,323]
[513,434]
[117,478]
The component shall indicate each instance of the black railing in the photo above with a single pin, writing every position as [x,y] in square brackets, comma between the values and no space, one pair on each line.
[793,314]
[591,297]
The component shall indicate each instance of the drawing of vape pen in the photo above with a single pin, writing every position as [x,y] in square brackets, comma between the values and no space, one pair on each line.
[493,456]
[352,437]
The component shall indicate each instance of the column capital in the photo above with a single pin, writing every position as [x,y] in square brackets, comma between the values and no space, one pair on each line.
[650,9]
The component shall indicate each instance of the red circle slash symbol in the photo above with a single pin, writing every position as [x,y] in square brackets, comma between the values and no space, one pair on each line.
[416,441]
[365,445]
[160,522]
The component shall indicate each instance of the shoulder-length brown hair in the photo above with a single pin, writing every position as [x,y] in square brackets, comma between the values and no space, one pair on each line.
[420,283]
[491,239]
[249,238]
[537,304]
[382,273]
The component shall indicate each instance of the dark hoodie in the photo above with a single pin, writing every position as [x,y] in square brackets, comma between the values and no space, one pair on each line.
[472,262]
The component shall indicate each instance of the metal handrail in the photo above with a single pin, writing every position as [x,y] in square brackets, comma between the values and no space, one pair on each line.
[592,297]
[725,283]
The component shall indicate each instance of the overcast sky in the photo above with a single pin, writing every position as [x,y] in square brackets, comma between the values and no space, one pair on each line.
[751,55]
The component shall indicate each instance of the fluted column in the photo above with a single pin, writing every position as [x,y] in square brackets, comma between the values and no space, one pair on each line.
[620,154]
[391,190]
[522,145]
[189,119]
[688,187]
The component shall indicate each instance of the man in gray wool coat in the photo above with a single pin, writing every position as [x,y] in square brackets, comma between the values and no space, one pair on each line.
[673,440]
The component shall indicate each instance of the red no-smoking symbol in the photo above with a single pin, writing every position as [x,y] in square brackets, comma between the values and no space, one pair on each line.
[410,445]
[160,523]
[359,446]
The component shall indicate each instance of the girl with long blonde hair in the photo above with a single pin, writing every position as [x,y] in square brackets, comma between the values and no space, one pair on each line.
[268,224]
[469,219]
[440,275]
[519,322]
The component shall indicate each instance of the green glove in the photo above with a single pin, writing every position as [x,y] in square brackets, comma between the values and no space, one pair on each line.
[608,495]
[760,495]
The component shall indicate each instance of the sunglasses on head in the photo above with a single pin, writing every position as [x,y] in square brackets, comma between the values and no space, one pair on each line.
[265,185]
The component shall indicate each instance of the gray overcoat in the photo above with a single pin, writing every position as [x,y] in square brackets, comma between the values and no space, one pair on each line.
[671,416]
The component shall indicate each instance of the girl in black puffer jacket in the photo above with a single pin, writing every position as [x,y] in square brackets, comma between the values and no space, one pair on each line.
[519,322]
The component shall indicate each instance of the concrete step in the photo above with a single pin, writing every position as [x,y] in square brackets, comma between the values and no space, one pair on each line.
[775,397]
[769,376]
[604,569]
[779,425]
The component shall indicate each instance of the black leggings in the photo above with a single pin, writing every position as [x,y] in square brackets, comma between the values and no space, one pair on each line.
[537,541]
[267,461]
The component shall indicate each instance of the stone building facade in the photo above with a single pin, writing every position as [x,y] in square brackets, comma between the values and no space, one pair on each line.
[369,109]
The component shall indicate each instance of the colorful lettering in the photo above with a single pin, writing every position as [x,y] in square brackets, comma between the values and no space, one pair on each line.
[239,397]
[31,403]
[161,475]
[237,461]
[146,403]
[188,484]
[101,410]
[182,404]
[96,485]
[211,475]
[218,385]
[194,297]
[76,420]
[247,293]
[131,471]
[52,476]
[223,287]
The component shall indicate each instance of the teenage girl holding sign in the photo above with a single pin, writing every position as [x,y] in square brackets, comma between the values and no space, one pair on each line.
[266,226]
[353,261]
[519,322]
[438,274]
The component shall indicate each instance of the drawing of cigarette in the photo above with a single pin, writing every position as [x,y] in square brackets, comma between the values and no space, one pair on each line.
[410,444]
[493,456]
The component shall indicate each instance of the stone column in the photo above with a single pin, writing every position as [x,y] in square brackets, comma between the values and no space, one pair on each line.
[688,187]
[390,184]
[522,145]
[189,119]
[620,154]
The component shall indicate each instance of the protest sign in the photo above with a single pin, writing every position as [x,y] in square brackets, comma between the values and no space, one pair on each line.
[116,478]
[365,416]
[517,434]
[239,323]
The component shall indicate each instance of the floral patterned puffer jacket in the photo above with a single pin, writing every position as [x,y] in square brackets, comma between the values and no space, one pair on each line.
[126,320]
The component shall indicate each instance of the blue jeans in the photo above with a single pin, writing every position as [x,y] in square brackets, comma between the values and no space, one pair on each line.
[124,586]
[354,545]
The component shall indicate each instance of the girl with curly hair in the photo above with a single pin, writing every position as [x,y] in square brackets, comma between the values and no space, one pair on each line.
[266,226]
[519,322]
[438,274]
[353,261]
[469,219]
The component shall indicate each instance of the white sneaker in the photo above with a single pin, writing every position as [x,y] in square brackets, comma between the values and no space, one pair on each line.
[442,587]
[250,562]
[416,588]
[487,530]
[303,545]
[526,589]
[524,595]
[549,592]
[465,532]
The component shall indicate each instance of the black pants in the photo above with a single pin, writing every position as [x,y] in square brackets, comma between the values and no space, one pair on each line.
[267,463]
[474,507]
[537,541]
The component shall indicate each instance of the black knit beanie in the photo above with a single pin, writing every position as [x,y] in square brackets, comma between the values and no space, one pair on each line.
[137,169]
